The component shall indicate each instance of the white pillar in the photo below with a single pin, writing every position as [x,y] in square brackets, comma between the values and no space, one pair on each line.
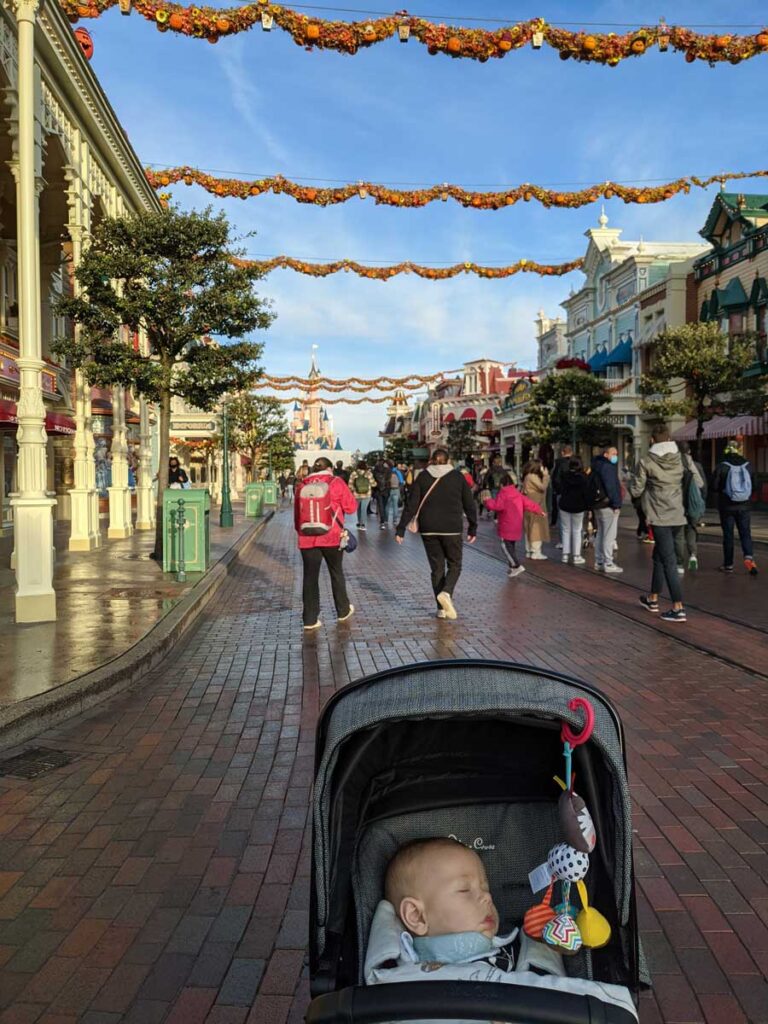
[235,475]
[33,508]
[120,522]
[218,463]
[145,496]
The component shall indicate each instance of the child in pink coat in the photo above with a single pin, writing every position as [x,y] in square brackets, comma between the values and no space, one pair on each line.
[510,505]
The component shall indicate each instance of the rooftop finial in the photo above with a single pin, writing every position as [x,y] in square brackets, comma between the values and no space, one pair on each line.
[602,220]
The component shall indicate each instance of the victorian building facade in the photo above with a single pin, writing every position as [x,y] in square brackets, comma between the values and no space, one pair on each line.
[67,164]
[632,288]
[730,284]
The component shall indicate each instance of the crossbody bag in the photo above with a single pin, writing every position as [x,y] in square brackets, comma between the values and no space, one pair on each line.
[413,526]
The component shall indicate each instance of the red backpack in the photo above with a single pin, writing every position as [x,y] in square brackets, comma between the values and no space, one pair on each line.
[316,515]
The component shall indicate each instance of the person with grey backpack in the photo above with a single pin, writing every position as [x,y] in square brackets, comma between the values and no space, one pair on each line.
[733,484]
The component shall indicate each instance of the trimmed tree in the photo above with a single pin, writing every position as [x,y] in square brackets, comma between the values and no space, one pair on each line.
[550,408]
[260,431]
[462,439]
[171,275]
[700,372]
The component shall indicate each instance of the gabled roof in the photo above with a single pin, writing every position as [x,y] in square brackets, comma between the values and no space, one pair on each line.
[621,353]
[759,294]
[337,446]
[730,297]
[755,206]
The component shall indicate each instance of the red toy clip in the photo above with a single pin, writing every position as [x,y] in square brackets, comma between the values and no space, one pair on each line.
[576,739]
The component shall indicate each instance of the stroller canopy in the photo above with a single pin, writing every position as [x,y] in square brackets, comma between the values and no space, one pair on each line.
[463,748]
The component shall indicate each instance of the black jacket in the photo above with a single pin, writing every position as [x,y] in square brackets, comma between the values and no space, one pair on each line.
[719,480]
[444,510]
[577,492]
[608,474]
[559,470]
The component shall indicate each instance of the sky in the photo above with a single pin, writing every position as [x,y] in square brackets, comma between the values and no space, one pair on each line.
[258,104]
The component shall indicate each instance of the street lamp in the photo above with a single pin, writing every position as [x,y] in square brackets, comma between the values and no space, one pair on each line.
[573,418]
[225,513]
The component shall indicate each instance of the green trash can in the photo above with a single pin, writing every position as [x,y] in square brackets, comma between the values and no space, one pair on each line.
[254,499]
[197,530]
[270,492]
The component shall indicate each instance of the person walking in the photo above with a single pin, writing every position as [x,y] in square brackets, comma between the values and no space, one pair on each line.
[535,483]
[605,468]
[340,471]
[560,467]
[510,507]
[733,483]
[577,494]
[396,484]
[362,485]
[695,504]
[322,501]
[438,501]
[658,482]
[381,474]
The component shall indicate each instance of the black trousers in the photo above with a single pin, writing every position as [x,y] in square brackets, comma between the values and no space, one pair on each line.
[444,555]
[382,497]
[665,562]
[313,559]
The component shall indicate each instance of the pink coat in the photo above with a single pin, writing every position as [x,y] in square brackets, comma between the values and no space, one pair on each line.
[510,505]
[343,503]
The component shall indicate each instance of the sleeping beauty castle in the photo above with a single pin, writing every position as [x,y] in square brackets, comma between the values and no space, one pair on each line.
[311,426]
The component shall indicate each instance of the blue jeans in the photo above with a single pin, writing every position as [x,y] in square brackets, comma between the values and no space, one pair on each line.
[391,507]
[741,520]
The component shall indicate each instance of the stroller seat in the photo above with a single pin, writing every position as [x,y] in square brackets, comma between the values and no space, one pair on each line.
[463,749]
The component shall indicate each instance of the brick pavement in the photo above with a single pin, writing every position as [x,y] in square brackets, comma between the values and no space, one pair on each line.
[163,875]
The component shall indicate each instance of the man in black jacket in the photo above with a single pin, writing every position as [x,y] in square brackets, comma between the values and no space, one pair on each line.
[440,498]
[560,467]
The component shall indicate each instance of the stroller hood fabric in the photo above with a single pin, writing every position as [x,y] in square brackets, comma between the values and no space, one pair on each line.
[457,691]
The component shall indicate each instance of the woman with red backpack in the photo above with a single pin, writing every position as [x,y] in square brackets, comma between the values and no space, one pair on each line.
[322,500]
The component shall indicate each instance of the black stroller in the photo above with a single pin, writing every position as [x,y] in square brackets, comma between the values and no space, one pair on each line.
[468,749]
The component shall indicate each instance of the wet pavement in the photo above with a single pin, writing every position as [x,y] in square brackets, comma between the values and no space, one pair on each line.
[107,600]
[163,874]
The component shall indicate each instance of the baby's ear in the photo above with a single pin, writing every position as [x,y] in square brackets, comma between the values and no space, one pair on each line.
[412,915]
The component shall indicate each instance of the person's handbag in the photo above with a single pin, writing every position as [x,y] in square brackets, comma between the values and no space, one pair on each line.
[348,542]
[413,526]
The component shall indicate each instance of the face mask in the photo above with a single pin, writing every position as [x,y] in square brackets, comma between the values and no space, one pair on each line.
[614,459]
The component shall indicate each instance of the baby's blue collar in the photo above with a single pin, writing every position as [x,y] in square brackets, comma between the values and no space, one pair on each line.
[456,948]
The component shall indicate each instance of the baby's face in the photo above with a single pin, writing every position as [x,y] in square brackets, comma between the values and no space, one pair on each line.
[449,894]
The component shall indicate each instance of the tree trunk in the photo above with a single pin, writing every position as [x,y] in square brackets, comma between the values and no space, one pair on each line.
[699,434]
[164,434]
[254,474]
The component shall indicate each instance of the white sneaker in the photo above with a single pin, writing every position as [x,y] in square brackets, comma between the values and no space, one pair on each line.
[615,569]
[440,613]
[680,571]
[516,571]
[599,567]
[445,601]
[349,614]
[578,560]
[316,625]
[537,556]
[565,559]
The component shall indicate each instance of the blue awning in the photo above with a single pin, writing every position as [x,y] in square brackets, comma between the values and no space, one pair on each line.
[621,354]
[599,360]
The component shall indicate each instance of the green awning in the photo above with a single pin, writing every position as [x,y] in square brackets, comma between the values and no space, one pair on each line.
[732,296]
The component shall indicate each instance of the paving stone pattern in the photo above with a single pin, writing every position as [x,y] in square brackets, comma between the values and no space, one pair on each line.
[163,875]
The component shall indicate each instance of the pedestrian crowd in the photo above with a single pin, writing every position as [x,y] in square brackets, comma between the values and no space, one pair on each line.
[443,502]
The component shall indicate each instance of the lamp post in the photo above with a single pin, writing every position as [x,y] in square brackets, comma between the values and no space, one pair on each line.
[573,419]
[225,513]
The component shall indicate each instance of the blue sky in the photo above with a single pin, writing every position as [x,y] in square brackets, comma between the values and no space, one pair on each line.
[259,104]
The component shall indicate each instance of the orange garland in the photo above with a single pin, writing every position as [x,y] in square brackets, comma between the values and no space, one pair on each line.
[338,401]
[234,187]
[475,43]
[430,273]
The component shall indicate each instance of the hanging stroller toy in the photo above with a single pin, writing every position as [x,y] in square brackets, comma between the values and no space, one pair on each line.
[568,862]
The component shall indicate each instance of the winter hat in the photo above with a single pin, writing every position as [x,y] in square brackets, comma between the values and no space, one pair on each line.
[733,447]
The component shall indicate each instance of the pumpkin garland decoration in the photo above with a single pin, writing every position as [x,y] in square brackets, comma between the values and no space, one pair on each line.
[474,43]
[412,380]
[419,197]
[522,266]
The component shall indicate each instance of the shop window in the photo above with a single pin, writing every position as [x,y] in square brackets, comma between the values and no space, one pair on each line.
[10,308]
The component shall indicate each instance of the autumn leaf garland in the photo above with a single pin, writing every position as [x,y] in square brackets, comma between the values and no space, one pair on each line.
[429,273]
[479,44]
[419,197]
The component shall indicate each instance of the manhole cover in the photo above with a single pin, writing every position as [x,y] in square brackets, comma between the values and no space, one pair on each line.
[35,761]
